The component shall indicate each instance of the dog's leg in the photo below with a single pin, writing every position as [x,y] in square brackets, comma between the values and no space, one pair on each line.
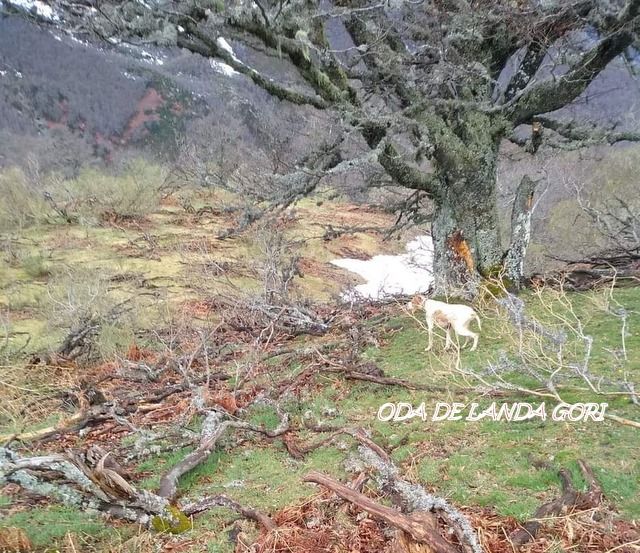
[429,333]
[449,342]
[475,342]
[464,331]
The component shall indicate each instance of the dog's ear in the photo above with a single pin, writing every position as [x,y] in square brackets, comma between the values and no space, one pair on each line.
[430,291]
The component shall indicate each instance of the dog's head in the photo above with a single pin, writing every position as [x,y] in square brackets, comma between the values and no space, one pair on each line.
[416,302]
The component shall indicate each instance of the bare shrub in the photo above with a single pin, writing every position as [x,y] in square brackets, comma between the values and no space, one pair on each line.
[21,203]
[36,266]
[79,302]
[612,206]
[5,334]
[208,163]
[277,260]
[24,393]
[95,195]
[14,253]
[274,306]
[601,216]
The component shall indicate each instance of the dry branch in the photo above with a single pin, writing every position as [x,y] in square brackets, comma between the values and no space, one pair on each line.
[69,481]
[417,499]
[86,414]
[571,499]
[386,380]
[104,487]
[298,451]
[421,526]
[222,500]
[213,428]
[90,413]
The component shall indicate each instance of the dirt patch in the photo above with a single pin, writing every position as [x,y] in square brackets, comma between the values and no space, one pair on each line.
[201,309]
[350,215]
[348,246]
[146,111]
[318,269]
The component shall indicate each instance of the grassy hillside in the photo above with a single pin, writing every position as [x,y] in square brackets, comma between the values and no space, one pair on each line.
[168,267]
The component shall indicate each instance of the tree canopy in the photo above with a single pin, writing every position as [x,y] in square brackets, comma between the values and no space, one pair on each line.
[432,87]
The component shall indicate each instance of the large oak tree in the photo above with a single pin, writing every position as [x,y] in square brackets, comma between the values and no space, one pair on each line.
[433,87]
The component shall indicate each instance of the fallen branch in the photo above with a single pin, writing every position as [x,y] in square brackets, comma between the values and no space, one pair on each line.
[570,500]
[420,525]
[86,414]
[213,428]
[417,499]
[386,380]
[104,488]
[72,483]
[351,374]
[222,500]
[299,451]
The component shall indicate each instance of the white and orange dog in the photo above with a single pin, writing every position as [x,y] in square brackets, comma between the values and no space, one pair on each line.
[446,316]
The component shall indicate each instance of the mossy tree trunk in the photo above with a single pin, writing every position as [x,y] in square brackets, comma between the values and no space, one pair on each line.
[465,225]
[425,77]
[465,232]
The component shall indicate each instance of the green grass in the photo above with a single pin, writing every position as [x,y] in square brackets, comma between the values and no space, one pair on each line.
[490,463]
[159,464]
[481,463]
[47,526]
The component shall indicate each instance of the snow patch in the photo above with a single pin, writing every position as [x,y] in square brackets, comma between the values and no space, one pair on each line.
[222,43]
[150,58]
[223,68]
[36,7]
[389,275]
[77,40]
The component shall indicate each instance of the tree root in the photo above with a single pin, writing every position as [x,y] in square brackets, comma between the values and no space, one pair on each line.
[571,499]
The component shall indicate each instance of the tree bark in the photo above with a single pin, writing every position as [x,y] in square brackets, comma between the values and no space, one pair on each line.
[466,240]
[520,231]
[465,226]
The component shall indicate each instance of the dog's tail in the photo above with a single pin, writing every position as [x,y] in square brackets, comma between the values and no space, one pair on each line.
[478,319]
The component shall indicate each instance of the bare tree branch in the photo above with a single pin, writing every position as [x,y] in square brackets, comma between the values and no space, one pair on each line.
[546,33]
[587,135]
[406,175]
[553,94]
[208,48]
